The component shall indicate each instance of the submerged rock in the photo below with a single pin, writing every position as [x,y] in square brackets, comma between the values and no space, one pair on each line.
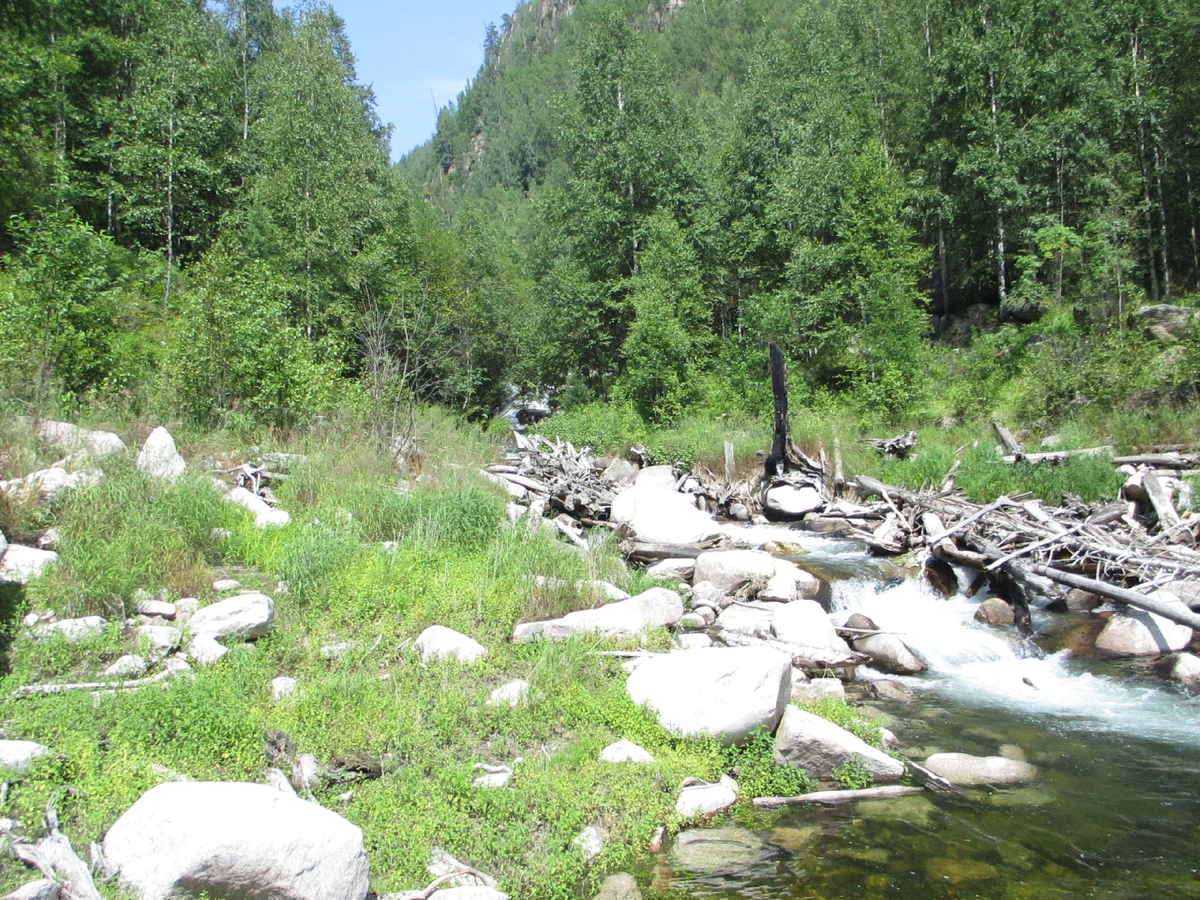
[717,851]
[621,886]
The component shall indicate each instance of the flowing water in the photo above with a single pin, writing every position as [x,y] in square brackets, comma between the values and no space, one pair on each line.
[1115,812]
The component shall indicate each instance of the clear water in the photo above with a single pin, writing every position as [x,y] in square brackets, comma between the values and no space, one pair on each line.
[1115,812]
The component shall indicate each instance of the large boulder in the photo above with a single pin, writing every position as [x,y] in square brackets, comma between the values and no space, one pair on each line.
[159,458]
[1168,323]
[809,742]
[753,619]
[72,630]
[726,693]
[235,841]
[47,485]
[890,653]
[728,570]
[706,799]
[68,438]
[439,642]
[625,618]
[661,516]
[1136,632]
[1184,668]
[804,622]
[962,768]
[785,501]
[265,515]
[20,564]
[248,615]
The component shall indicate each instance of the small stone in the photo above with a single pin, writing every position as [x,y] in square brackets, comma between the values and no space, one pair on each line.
[337,649]
[438,642]
[73,630]
[186,608]
[886,689]
[493,777]
[18,756]
[693,640]
[994,611]
[128,666]
[625,751]
[590,842]
[49,539]
[159,608]
[220,534]
[176,665]
[693,621]
[221,585]
[30,620]
[281,687]
[159,640]
[962,768]
[206,650]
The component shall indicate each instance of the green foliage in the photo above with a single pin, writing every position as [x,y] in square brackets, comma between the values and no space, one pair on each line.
[853,775]
[844,716]
[757,773]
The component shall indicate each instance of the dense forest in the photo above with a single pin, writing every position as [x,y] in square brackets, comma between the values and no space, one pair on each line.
[936,208]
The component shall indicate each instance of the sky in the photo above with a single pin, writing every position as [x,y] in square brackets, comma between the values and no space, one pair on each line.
[417,56]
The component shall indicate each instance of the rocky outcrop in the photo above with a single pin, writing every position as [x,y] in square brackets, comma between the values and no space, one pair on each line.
[235,840]
[725,693]
[818,746]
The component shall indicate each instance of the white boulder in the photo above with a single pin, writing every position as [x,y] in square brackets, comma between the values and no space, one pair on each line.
[248,615]
[1136,632]
[706,799]
[662,516]
[962,768]
[20,564]
[817,745]
[281,687]
[676,569]
[818,689]
[18,756]
[128,666]
[159,640]
[440,642]
[205,649]
[47,485]
[728,570]
[159,458]
[625,751]
[804,622]
[70,438]
[511,694]
[265,515]
[786,501]
[235,840]
[1185,668]
[890,654]
[625,618]
[72,630]
[723,692]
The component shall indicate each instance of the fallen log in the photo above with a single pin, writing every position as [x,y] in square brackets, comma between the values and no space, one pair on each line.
[1183,616]
[1054,456]
[645,551]
[834,798]
[897,447]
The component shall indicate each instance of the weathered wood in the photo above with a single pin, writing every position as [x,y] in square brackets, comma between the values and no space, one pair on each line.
[776,463]
[1161,501]
[834,798]
[1011,445]
[645,551]
[1054,456]
[897,447]
[1159,460]
[729,462]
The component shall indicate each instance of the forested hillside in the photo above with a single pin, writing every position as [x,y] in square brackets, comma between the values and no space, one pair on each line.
[937,209]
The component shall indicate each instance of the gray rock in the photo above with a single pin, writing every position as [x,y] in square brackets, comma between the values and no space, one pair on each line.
[265,515]
[717,851]
[692,621]
[818,689]
[1135,632]
[706,799]
[1168,323]
[205,649]
[221,585]
[159,458]
[512,694]
[625,751]
[47,485]
[621,886]
[591,841]
[235,840]
[68,438]
[676,569]
[128,666]
[705,593]
[626,618]
[1083,601]
[723,692]
[620,471]
[753,619]
[804,622]
[693,640]
[662,516]
[439,642]
[962,768]
[728,570]
[894,691]
[18,756]
[890,653]
[493,776]
[1185,668]
[20,564]
[160,608]
[48,540]
[442,863]
[281,687]
[994,611]
[244,616]
[44,889]
[158,640]
[660,478]
[809,742]
[186,608]
[788,502]
[72,630]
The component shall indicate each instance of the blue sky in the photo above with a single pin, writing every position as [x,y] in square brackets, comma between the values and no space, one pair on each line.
[416,55]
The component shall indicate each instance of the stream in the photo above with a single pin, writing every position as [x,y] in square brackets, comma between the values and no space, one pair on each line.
[1115,812]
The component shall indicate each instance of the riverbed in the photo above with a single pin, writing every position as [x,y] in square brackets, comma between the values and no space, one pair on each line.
[1114,813]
